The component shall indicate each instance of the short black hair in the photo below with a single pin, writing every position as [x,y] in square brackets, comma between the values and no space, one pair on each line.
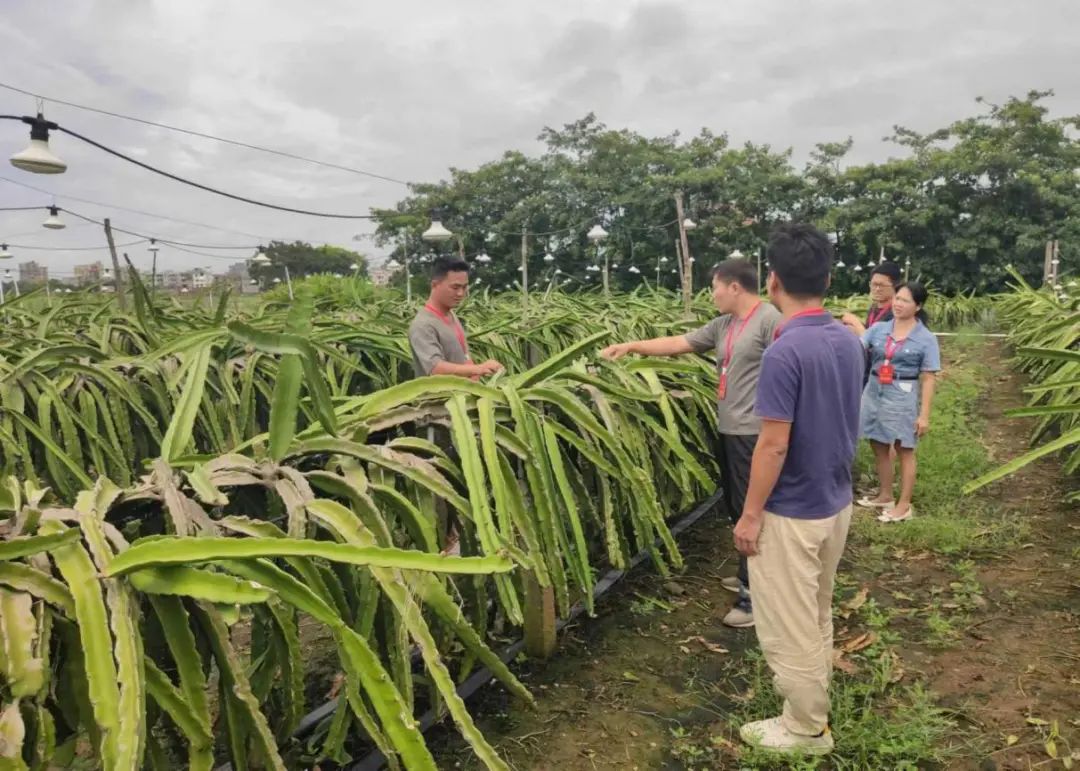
[890,270]
[801,257]
[740,271]
[443,265]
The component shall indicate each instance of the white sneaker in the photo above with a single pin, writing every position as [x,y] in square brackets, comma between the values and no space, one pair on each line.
[771,735]
[739,617]
[731,583]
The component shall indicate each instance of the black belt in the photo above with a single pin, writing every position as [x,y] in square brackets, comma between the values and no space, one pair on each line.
[899,379]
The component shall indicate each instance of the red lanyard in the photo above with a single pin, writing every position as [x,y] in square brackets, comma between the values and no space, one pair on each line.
[458,330]
[877,313]
[733,335]
[729,348]
[800,314]
[891,346]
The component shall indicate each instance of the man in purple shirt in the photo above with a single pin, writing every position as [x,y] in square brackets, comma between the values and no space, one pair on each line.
[795,520]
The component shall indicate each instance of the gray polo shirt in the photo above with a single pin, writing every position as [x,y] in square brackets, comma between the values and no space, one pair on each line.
[735,413]
[433,339]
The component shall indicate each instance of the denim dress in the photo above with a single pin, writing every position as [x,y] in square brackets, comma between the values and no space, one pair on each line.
[888,412]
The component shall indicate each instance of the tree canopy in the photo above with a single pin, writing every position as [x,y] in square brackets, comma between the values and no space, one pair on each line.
[960,203]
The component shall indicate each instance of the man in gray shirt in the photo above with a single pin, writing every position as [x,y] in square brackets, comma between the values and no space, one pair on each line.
[436,336]
[738,338]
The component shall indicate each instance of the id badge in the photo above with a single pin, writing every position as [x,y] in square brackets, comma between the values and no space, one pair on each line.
[721,387]
[886,372]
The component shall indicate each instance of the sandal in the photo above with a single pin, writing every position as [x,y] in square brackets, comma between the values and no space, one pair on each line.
[869,503]
[887,516]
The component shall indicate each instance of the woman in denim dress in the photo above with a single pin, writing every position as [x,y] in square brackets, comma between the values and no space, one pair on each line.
[904,361]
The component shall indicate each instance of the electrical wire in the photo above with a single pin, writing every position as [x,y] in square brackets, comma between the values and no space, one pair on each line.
[135,211]
[207,188]
[22,208]
[202,135]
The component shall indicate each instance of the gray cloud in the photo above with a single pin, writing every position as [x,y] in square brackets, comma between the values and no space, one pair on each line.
[411,88]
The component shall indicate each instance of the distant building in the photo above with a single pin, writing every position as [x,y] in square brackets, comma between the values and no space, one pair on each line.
[382,276]
[201,279]
[30,273]
[88,274]
[171,280]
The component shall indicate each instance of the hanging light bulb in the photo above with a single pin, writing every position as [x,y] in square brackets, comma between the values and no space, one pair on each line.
[53,221]
[4,253]
[688,224]
[596,234]
[436,232]
[38,158]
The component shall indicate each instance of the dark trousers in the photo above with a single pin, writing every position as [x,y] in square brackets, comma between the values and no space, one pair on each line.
[736,452]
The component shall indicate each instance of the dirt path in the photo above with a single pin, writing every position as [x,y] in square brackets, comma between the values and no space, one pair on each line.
[978,606]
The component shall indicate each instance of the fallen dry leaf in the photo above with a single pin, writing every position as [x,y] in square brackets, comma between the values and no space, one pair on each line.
[842,663]
[896,668]
[856,644]
[707,645]
[1011,739]
[856,602]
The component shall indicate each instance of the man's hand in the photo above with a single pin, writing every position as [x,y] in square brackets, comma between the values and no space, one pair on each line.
[850,320]
[747,531]
[617,351]
[489,367]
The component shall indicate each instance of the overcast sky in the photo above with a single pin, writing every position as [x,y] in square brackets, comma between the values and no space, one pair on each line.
[407,89]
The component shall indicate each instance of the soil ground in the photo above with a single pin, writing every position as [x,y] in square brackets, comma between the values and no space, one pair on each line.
[962,646]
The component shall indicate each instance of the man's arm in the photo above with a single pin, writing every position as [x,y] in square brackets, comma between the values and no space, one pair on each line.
[443,367]
[658,346]
[769,454]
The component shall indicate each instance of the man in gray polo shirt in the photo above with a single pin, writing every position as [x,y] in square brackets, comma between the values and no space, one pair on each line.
[738,338]
[436,336]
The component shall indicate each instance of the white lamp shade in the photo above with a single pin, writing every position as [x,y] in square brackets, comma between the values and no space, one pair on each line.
[4,253]
[736,255]
[549,257]
[277,280]
[67,291]
[436,232]
[858,268]
[391,264]
[483,258]
[53,221]
[663,260]
[260,258]
[634,269]
[596,234]
[354,267]
[254,281]
[688,224]
[39,159]
[841,264]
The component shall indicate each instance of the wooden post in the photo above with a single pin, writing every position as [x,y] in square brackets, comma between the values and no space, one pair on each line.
[116,266]
[539,610]
[524,267]
[687,278]
[540,638]
[1048,257]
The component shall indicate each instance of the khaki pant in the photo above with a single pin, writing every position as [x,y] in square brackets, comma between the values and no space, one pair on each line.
[792,575]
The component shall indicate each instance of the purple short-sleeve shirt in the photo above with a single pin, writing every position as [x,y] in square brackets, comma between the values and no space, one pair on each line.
[811,377]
